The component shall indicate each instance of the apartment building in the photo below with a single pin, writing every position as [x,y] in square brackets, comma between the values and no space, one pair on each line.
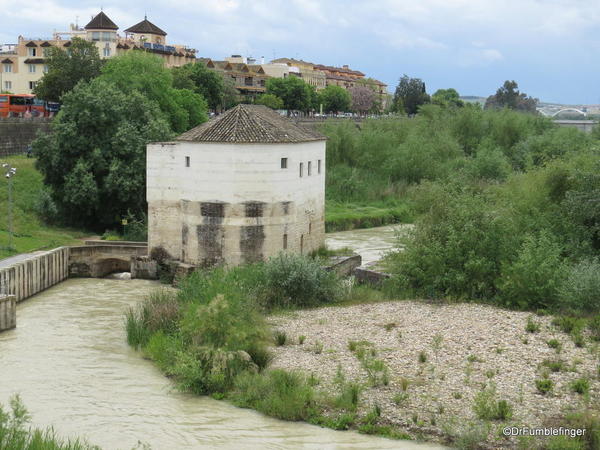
[23,64]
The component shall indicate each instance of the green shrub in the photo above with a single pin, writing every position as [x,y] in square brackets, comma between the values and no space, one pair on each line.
[568,324]
[581,386]
[456,250]
[280,338]
[349,396]
[277,393]
[532,326]
[555,344]
[534,278]
[581,289]
[486,407]
[555,365]
[298,281]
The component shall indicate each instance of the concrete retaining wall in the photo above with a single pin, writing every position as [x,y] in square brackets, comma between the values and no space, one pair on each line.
[27,278]
[16,134]
[8,312]
[343,265]
[368,276]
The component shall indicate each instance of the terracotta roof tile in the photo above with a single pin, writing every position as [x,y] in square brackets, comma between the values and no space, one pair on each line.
[250,124]
[101,22]
[147,27]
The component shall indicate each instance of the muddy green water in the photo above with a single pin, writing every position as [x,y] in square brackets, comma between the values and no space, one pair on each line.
[69,361]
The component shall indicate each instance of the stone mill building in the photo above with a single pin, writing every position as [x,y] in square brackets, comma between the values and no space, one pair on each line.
[239,188]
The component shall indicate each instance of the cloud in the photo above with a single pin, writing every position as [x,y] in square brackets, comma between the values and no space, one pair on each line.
[491,54]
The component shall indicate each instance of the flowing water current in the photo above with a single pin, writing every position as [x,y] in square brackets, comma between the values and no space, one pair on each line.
[69,361]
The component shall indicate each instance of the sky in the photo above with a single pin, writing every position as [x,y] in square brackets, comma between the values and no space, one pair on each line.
[549,47]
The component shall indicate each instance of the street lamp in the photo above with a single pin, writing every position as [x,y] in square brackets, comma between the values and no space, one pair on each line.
[10,172]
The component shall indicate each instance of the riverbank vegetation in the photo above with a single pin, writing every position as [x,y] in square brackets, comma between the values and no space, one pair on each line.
[30,230]
[213,338]
[16,432]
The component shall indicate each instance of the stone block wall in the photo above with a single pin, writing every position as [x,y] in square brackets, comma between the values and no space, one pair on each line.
[16,134]
[33,275]
[8,312]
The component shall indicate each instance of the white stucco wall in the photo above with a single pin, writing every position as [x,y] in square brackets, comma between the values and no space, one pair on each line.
[234,174]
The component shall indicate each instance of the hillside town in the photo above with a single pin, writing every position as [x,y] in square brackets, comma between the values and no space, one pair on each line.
[23,64]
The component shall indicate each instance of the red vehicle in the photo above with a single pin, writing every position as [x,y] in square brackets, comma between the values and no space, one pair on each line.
[12,105]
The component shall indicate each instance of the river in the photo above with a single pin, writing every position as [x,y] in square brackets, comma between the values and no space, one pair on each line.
[370,243]
[69,361]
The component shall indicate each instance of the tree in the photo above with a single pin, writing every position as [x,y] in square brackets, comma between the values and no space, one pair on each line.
[200,79]
[145,73]
[335,99]
[294,92]
[66,68]
[508,96]
[363,99]
[447,98]
[94,160]
[270,101]
[410,94]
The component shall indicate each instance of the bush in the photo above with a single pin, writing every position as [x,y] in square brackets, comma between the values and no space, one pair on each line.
[297,281]
[581,386]
[486,407]
[580,291]
[534,278]
[280,394]
[457,250]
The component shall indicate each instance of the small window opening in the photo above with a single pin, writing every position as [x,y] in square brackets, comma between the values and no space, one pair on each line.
[301,244]
[308,168]
[319,166]
[187,161]
[309,227]
[285,241]
[284,163]
[301,169]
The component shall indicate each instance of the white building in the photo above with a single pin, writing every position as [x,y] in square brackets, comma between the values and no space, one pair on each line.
[239,188]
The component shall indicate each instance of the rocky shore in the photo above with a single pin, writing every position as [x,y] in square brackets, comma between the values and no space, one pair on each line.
[426,365]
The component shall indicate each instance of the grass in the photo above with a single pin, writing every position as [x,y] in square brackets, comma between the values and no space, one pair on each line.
[30,232]
[544,385]
[349,216]
[16,433]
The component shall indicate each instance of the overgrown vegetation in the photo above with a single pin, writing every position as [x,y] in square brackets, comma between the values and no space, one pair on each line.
[16,432]
[212,338]
[503,201]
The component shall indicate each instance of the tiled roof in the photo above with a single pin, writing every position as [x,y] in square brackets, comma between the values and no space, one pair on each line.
[250,124]
[147,27]
[101,22]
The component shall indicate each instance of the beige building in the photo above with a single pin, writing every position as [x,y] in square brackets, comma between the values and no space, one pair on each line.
[24,64]
[240,188]
[306,70]
[250,79]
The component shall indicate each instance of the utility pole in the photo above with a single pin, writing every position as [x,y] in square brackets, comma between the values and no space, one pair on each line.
[10,173]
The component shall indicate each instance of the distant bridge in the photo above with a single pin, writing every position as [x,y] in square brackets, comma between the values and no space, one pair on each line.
[561,111]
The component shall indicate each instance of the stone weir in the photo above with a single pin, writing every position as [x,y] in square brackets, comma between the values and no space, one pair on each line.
[94,259]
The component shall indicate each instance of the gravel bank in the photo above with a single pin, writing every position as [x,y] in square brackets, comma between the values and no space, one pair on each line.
[466,347]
